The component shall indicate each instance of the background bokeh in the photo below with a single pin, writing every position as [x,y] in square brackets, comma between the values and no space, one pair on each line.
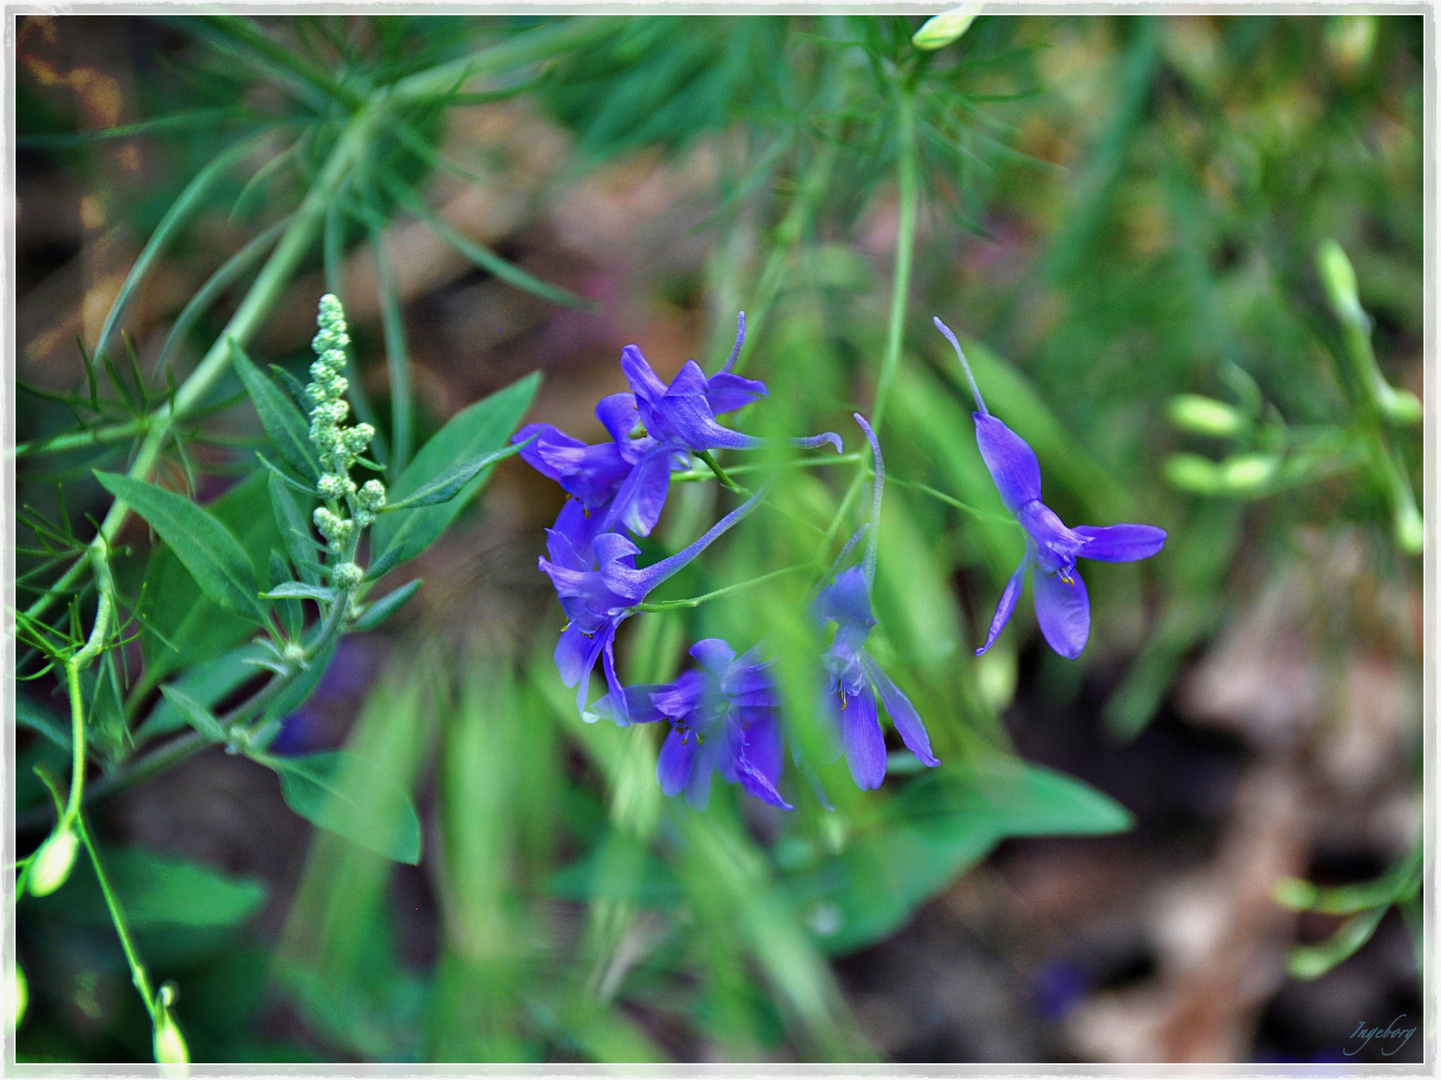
[1114,211]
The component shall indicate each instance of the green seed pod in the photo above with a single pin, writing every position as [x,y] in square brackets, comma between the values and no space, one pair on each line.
[51,866]
[1410,529]
[1204,416]
[940,30]
[1400,406]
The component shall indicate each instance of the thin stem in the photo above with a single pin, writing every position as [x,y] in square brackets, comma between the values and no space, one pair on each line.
[138,974]
[74,440]
[693,475]
[910,192]
[697,601]
[726,481]
[941,496]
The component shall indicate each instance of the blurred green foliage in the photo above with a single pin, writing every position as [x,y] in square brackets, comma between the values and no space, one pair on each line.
[1122,215]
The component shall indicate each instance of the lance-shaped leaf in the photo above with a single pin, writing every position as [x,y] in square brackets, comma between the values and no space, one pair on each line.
[301,590]
[483,428]
[349,795]
[196,714]
[288,431]
[447,485]
[385,607]
[203,545]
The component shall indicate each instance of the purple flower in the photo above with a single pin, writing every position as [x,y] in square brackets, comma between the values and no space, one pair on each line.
[723,719]
[854,676]
[599,587]
[1062,606]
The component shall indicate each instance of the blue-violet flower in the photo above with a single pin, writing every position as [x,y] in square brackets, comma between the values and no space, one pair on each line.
[1063,607]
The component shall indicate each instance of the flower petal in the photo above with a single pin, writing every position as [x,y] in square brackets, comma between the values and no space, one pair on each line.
[638,707]
[697,789]
[1010,459]
[1120,543]
[643,380]
[1064,612]
[758,762]
[677,760]
[861,737]
[618,413]
[1009,595]
[726,392]
[715,655]
[641,498]
[847,599]
[902,713]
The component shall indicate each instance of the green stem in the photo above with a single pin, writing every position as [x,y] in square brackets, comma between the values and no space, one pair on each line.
[693,475]
[714,466]
[941,496]
[76,440]
[697,601]
[138,974]
[910,191]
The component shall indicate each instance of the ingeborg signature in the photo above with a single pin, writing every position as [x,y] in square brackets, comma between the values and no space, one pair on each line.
[1390,1031]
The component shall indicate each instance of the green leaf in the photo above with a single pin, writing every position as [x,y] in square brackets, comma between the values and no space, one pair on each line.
[299,691]
[348,795]
[483,428]
[386,606]
[182,626]
[300,590]
[293,521]
[448,484]
[207,683]
[196,714]
[158,891]
[935,828]
[208,549]
[32,716]
[288,431]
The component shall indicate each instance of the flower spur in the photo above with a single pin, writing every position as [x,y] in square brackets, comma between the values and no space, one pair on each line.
[1063,607]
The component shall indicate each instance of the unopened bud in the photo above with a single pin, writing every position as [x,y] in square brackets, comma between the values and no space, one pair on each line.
[1410,529]
[1204,416]
[331,486]
[1191,472]
[1247,472]
[1339,278]
[19,992]
[940,30]
[169,1044]
[1400,406]
[372,495]
[51,866]
[347,575]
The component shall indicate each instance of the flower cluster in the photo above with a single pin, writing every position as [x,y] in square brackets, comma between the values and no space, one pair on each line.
[339,446]
[723,713]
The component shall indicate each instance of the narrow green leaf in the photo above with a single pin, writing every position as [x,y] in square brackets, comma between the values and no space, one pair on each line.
[209,683]
[207,548]
[300,590]
[447,485]
[159,891]
[482,428]
[288,431]
[293,520]
[30,715]
[397,357]
[196,714]
[298,692]
[386,606]
[348,795]
[187,203]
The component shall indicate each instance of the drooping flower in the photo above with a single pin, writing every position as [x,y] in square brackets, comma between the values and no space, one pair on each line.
[723,719]
[1063,608]
[855,679]
[599,588]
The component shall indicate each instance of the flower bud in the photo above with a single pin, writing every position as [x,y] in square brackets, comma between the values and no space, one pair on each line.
[372,495]
[331,486]
[940,30]
[1410,529]
[19,992]
[1204,416]
[51,865]
[347,575]
[1400,406]
[1191,472]
[1340,281]
[1245,473]
[169,1044]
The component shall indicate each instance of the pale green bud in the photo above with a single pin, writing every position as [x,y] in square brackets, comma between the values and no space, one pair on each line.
[364,518]
[347,575]
[1247,472]
[1191,472]
[1400,406]
[331,486]
[51,866]
[1204,416]
[372,495]
[169,1043]
[19,992]
[1410,529]
[294,652]
[1339,278]
[940,30]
